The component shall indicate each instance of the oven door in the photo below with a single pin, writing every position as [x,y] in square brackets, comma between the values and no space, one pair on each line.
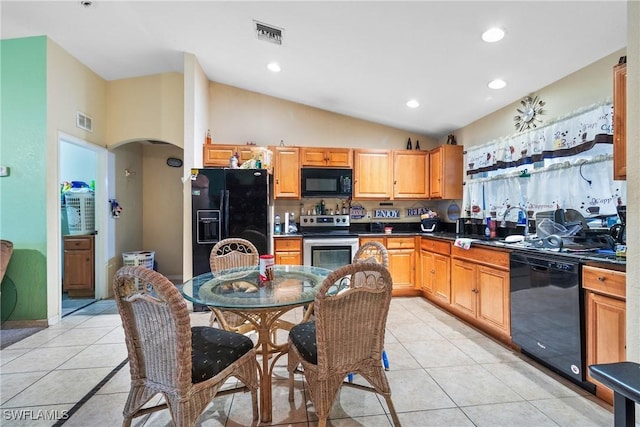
[329,253]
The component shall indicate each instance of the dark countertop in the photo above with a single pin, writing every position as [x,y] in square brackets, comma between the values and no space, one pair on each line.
[605,260]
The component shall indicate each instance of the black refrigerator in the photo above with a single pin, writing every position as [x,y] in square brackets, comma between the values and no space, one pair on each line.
[228,203]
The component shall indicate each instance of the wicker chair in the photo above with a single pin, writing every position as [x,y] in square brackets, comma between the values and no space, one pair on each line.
[373,252]
[187,365]
[230,253]
[347,335]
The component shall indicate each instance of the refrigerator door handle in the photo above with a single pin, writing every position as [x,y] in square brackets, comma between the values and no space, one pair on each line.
[226,213]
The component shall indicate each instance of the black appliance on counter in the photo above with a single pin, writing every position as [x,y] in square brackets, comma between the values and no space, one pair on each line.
[619,231]
[326,182]
[547,306]
[228,203]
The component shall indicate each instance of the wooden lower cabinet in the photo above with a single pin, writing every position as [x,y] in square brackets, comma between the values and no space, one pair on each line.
[435,266]
[480,288]
[402,262]
[605,320]
[288,251]
[79,266]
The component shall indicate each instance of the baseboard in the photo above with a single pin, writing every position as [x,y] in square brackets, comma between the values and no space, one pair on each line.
[18,324]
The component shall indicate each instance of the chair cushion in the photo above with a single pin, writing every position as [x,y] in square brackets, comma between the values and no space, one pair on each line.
[303,336]
[213,349]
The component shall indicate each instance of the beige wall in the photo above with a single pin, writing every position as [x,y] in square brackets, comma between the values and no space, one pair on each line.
[196,113]
[71,87]
[149,107]
[633,182]
[237,116]
[129,193]
[583,88]
[162,208]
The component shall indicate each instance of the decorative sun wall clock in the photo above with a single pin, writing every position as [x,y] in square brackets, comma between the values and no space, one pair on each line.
[529,113]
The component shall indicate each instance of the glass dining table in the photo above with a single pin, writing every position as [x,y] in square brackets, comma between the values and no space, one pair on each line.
[241,291]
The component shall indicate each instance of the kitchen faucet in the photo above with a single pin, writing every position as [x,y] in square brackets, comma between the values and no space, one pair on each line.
[503,223]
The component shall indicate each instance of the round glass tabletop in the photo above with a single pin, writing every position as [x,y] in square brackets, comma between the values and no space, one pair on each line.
[241,288]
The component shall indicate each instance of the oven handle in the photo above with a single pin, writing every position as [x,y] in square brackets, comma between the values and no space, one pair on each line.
[330,241]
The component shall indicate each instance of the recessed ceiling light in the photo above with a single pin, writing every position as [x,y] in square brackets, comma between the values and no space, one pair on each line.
[497,84]
[493,35]
[412,103]
[273,66]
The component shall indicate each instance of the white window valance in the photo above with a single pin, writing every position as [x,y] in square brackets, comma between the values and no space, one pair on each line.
[566,136]
[585,185]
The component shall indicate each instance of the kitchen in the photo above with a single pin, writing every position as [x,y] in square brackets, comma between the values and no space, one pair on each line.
[495,126]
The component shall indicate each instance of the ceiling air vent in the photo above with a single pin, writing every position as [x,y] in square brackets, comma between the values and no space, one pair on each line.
[268,32]
[84,122]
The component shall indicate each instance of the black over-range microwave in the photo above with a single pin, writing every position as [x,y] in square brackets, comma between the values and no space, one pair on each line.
[326,182]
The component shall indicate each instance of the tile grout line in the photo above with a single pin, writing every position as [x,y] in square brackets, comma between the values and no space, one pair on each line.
[91,393]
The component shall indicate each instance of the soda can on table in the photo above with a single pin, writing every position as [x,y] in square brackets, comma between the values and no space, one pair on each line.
[266,267]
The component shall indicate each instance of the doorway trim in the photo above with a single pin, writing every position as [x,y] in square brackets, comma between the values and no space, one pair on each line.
[101,222]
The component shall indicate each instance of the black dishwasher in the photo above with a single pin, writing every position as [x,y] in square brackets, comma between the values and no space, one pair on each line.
[547,312]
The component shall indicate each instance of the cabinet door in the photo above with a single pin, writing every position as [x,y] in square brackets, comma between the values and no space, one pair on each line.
[442,277]
[606,335]
[313,156]
[620,122]
[78,270]
[410,175]
[372,174]
[217,155]
[401,267]
[445,172]
[463,286]
[286,173]
[427,271]
[288,258]
[435,173]
[245,152]
[493,298]
[339,157]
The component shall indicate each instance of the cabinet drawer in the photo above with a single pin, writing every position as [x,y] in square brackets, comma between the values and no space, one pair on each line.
[604,281]
[437,246]
[400,242]
[77,243]
[495,258]
[287,244]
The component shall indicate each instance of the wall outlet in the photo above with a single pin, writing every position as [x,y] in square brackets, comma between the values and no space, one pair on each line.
[4,170]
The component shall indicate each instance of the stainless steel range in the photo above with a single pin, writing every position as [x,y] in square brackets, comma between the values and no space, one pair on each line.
[327,241]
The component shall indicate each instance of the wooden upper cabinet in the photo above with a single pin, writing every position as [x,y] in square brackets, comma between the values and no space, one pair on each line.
[372,174]
[445,172]
[323,156]
[410,174]
[286,173]
[219,154]
[620,121]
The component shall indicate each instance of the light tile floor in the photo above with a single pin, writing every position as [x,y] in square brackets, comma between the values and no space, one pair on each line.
[443,373]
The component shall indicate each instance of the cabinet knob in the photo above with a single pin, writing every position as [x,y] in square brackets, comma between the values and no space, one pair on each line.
[601,278]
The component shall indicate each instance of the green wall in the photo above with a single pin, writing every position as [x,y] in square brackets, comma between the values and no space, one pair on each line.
[23,126]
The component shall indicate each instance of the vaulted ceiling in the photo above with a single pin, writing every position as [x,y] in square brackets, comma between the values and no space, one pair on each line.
[363,59]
